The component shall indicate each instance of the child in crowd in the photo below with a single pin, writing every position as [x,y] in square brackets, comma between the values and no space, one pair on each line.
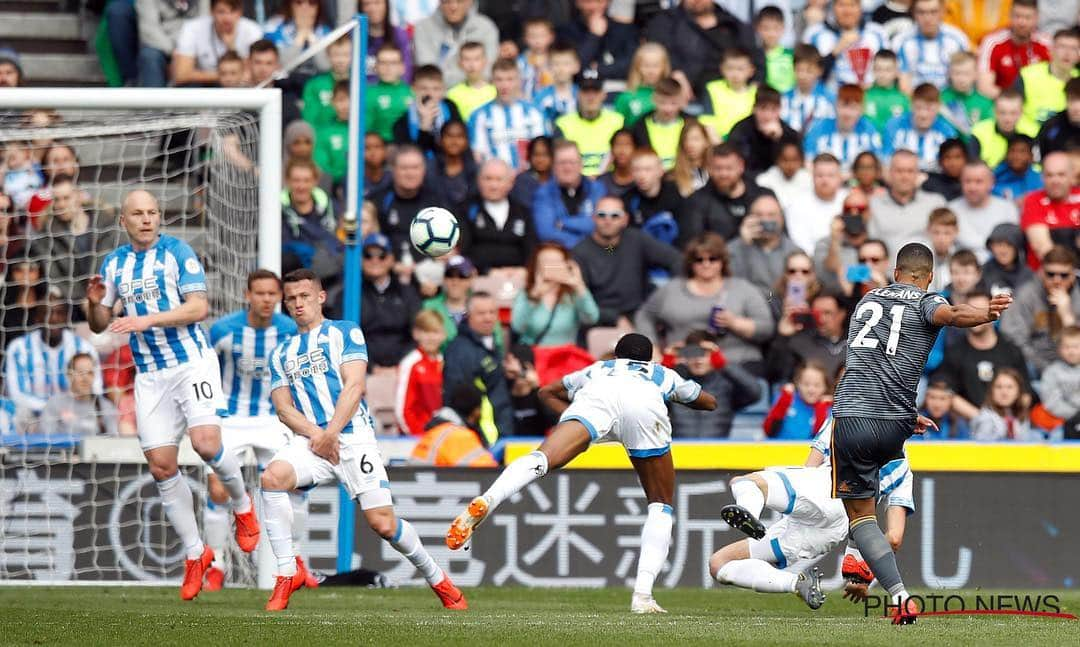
[332,139]
[964,276]
[779,60]
[803,406]
[22,175]
[535,61]
[937,406]
[1060,388]
[319,90]
[1006,270]
[698,358]
[560,98]
[689,172]
[1016,176]
[428,113]
[942,230]
[1005,414]
[649,65]
[475,90]
[884,99]
[808,99]
[922,130]
[952,157]
[788,178]
[660,130]
[389,99]
[503,127]
[232,71]
[731,98]
[964,105]
[419,390]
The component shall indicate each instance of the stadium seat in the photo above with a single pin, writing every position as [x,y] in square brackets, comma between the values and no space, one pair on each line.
[504,287]
[601,340]
[380,395]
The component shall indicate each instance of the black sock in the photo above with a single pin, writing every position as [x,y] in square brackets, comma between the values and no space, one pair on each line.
[878,554]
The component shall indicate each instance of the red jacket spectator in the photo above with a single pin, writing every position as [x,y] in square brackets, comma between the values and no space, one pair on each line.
[779,410]
[1001,55]
[1062,217]
[419,392]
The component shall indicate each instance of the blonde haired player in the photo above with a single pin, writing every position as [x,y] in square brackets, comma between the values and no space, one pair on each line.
[162,287]
[317,381]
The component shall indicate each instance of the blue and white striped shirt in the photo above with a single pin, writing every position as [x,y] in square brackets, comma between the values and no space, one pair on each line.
[553,106]
[503,131]
[151,281]
[7,417]
[901,133]
[309,364]
[245,360]
[895,479]
[871,39]
[927,59]
[825,137]
[800,110]
[35,371]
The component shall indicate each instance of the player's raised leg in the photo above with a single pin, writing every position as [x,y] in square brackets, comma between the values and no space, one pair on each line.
[754,492]
[277,481]
[206,441]
[657,476]
[751,564]
[568,439]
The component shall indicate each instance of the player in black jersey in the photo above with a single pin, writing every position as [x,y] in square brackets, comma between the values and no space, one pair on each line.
[892,331]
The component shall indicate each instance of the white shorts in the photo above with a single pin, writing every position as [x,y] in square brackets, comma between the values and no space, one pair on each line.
[264,435]
[814,525]
[635,417]
[172,400]
[360,468]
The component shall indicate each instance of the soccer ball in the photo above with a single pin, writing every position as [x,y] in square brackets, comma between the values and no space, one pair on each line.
[434,231]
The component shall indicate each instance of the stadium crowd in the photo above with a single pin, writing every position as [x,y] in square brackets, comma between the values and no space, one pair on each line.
[728,183]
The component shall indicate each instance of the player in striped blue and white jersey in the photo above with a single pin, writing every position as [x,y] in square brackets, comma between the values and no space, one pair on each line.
[503,127]
[35,364]
[780,558]
[243,341]
[800,111]
[924,49]
[317,381]
[922,130]
[850,55]
[161,287]
[623,400]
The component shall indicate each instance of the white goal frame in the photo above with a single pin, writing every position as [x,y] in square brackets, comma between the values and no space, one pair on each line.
[266,101]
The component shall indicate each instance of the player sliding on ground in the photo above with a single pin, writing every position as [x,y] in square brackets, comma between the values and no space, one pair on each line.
[620,400]
[892,331]
[244,340]
[162,288]
[317,382]
[782,558]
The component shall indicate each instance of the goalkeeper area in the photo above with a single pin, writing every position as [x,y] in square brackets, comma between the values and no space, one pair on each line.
[497,616]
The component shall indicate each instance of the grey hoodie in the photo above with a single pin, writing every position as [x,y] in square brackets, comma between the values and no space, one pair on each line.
[160,21]
[437,42]
[1060,389]
[1027,323]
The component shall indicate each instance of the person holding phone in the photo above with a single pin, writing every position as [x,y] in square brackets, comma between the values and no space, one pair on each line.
[847,232]
[555,302]
[796,288]
[869,272]
[817,334]
[759,253]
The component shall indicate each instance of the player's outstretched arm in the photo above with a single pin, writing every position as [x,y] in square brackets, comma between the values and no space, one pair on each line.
[194,309]
[704,402]
[965,316]
[97,315]
[555,397]
[289,415]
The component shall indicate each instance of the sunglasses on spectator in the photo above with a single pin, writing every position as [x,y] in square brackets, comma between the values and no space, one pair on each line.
[313,3]
[375,254]
[707,259]
[870,259]
[1057,275]
[609,214]
[799,270]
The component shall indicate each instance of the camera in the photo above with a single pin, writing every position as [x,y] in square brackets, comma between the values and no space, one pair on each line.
[769,227]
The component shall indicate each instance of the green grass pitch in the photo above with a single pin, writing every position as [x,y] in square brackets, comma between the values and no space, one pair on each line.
[498,616]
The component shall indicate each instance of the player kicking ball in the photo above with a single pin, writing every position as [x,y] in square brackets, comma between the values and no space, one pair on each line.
[783,557]
[243,341]
[317,387]
[620,400]
[162,288]
[892,331]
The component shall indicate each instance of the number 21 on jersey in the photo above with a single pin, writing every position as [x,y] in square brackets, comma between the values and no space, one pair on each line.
[862,340]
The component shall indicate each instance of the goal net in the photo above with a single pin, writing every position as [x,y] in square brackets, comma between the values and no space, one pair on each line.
[77,502]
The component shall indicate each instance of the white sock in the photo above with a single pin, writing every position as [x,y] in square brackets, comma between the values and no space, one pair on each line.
[180,511]
[899,594]
[757,574]
[215,521]
[748,495]
[227,468]
[299,503]
[516,476]
[407,542]
[655,542]
[277,521]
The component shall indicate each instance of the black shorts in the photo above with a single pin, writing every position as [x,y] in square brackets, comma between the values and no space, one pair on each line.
[860,447]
